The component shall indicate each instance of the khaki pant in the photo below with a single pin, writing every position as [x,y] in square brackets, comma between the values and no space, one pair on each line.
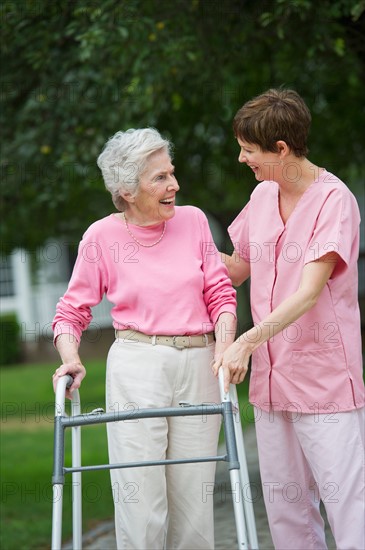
[162,506]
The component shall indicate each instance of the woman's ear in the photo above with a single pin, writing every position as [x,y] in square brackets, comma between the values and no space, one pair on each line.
[282,148]
[127,196]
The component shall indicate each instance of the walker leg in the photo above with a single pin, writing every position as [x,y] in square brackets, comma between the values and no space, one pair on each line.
[242,543]
[76,490]
[245,502]
[245,483]
[57,516]
[76,477]
[58,468]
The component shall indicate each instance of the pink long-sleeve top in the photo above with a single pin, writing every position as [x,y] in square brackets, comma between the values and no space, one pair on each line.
[178,287]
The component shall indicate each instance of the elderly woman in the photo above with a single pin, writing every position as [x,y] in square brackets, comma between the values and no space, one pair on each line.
[157,263]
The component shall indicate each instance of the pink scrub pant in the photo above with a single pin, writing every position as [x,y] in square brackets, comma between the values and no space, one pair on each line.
[162,506]
[306,458]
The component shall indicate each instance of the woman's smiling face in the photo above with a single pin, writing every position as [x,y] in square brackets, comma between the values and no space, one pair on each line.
[155,199]
[262,163]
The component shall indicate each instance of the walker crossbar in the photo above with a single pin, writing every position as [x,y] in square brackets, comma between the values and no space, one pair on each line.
[100,418]
[234,457]
[61,422]
[218,458]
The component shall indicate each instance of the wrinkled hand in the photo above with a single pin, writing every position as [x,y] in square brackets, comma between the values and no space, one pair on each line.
[76,370]
[234,362]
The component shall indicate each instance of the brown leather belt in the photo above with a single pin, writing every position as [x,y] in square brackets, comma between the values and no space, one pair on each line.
[179,342]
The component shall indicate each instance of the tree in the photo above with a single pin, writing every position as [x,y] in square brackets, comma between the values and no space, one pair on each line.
[75,72]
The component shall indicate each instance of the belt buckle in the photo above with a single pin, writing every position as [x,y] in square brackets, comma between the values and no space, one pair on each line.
[175,343]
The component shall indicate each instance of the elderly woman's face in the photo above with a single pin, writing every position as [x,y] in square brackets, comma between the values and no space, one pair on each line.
[155,198]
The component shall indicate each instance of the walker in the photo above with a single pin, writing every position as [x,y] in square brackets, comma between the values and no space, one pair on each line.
[235,457]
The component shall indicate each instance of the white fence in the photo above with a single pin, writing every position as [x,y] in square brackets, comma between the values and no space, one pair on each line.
[45,298]
[34,303]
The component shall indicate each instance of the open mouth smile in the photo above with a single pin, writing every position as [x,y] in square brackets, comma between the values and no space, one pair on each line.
[167,202]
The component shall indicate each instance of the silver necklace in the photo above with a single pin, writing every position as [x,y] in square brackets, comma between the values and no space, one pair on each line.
[135,238]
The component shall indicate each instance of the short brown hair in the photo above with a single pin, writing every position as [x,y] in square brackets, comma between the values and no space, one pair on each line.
[272,116]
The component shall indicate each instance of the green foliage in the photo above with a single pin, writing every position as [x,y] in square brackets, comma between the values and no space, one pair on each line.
[9,339]
[76,72]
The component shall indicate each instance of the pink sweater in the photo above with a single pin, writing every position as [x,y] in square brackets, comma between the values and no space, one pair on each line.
[180,286]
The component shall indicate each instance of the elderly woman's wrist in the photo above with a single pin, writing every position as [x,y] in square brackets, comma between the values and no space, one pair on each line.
[71,361]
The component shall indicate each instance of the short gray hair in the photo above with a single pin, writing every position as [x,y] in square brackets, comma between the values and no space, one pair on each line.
[124,158]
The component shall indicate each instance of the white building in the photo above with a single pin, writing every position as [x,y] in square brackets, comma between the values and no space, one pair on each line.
[30,287]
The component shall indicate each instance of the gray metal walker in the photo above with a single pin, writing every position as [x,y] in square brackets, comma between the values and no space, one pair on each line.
[235,457]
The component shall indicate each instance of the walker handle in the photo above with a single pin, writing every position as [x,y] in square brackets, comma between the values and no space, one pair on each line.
[224,394]
[69,380]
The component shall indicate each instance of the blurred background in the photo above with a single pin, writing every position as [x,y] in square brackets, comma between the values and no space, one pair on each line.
[76,71]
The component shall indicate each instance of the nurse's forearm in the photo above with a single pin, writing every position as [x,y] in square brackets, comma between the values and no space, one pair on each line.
[314,278]
[284,315]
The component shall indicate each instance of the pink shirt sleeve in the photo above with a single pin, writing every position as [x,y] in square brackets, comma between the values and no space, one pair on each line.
[239,233]
[219,295]
[85,290]
[336,229]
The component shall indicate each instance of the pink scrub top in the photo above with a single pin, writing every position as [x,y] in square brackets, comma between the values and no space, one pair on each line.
[315,364]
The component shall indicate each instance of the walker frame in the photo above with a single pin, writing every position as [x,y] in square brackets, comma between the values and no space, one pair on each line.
[235,457]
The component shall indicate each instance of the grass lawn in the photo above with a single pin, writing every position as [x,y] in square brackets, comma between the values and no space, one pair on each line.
[27,455]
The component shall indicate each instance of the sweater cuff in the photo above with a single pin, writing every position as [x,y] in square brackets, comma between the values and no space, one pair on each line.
[64,328]
[228,308]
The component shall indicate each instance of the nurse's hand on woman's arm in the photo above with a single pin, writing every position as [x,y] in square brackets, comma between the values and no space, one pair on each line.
[68,349]
[238,268]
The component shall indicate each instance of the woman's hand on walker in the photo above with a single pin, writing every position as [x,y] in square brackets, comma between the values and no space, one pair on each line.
[76,370]
[234,362]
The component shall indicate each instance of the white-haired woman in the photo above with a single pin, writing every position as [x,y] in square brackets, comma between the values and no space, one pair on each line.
[158,265]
